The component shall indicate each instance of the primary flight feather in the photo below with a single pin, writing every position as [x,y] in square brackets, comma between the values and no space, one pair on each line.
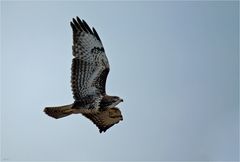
[90,69]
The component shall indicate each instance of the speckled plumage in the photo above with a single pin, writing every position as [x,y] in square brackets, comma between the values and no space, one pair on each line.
[90,68]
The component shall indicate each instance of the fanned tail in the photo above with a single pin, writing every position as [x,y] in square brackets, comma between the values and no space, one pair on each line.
[59,111]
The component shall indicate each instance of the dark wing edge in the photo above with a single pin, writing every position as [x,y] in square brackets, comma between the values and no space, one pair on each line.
[74,78]
[79,25]
[102,120]
[101,126]
[101,81]
[79,66]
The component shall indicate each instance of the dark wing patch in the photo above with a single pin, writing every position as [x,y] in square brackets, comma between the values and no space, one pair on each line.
[96,34]
[75,79]
[90,64]
[101,81]
[81,25]
[102,119]
[87,27]
[94,118]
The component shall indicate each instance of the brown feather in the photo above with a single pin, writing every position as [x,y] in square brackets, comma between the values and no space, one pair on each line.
[105,119]
[59,112]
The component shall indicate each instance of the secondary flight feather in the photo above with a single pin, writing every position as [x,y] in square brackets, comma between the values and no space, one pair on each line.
[90,68]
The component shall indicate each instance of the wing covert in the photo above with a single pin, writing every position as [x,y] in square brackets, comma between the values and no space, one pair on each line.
[103,120]
[90,65]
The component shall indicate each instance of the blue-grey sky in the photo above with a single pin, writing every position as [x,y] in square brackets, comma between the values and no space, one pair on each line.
[175,64]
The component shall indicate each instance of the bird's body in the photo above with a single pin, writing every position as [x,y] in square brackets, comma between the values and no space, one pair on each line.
[90,68]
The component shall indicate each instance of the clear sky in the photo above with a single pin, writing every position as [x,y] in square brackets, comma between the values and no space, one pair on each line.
[175,64]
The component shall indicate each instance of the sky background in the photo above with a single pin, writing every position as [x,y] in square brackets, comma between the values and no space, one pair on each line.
[175,64]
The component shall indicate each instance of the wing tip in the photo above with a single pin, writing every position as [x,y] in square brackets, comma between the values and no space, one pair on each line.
[104,129]
[78,24]
[81,25]
[73,26]
[96,34]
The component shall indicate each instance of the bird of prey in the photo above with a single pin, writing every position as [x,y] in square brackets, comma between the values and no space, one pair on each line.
[90,69]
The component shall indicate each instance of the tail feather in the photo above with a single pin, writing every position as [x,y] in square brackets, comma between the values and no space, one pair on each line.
[59,112]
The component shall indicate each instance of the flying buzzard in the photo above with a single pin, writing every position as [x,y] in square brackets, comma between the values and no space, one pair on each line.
[90,69]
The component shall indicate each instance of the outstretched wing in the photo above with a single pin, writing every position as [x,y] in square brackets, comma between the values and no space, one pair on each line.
[105,119]
[90,65]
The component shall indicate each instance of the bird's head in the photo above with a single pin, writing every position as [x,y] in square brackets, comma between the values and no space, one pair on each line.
[116,99]
[110,101]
